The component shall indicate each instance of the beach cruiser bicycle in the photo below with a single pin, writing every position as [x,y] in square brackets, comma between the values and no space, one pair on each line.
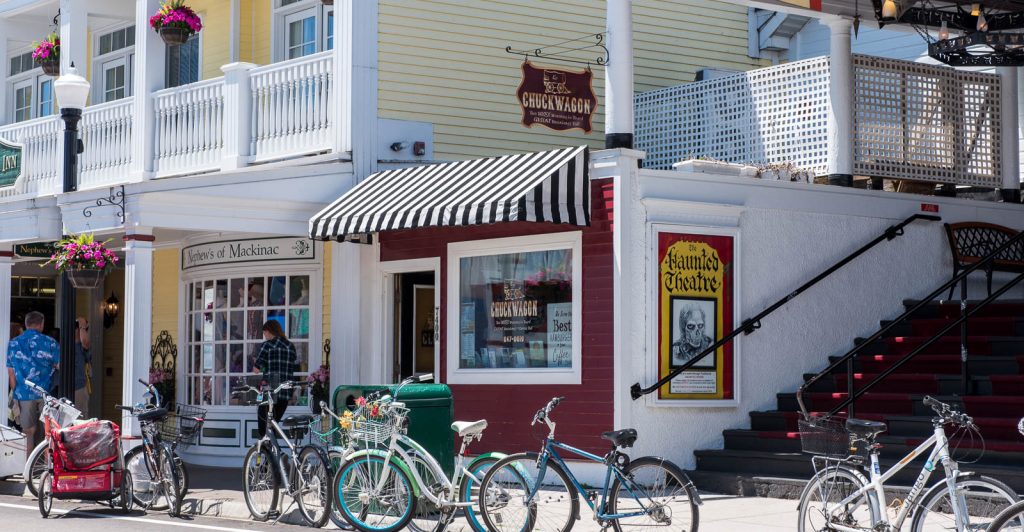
[1012,518]
[160,478]
[538,491]
[303,471]
[392,481]
[847,493]
[61,413]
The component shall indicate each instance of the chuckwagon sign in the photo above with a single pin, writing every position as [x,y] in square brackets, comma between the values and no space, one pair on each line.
[556,98]
[10,163]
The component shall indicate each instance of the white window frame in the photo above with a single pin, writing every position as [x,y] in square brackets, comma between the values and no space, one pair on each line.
[571,240]
[27,82]
[110,64]
[33,76]
[127,54]
[40,80]
[278,35]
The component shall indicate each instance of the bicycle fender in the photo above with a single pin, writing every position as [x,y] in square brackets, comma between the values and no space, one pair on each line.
[485,457]
[41,447]
[677,470]
[394,460]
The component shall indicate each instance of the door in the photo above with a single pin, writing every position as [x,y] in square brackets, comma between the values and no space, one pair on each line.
[300,34]
[115,79]
[416,330]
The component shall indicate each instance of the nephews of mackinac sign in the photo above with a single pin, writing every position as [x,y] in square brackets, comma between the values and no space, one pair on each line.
[10,163]
[252,250]
[557,98]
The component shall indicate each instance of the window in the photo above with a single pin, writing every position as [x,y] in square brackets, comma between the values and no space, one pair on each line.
[224,321]
[183,63]
[514,316]
[113,62]
[304,27]
[30,93]
[45,97]
[23,100]
[21,63]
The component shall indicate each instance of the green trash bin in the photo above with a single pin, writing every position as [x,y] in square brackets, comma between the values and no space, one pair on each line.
[431,413]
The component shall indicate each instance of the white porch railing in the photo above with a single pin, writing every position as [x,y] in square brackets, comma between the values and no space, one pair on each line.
[190,127]
[41,161]
[291,107]
[106,131]
[912,121]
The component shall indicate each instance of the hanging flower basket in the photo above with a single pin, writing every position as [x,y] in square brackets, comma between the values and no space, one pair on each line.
[86,279]
[175,22]
[47,54]
[84,260]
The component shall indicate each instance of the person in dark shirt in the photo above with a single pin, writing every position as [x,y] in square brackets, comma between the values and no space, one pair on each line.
[277,361]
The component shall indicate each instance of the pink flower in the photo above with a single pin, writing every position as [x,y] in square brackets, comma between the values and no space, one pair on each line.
[100,264]
[361,401]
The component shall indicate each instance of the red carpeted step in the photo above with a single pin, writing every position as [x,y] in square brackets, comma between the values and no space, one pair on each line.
[1007,384]
[870,403]
[997,310]
[994,406]
[999,428]
[995,326]
[901,345]
[895,383]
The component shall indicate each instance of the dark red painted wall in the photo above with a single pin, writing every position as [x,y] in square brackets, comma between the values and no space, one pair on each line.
[587,409]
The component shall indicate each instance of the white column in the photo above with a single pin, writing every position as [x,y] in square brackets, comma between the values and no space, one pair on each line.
[354,93]
[347,312]
[74,27]
[618,75]
[341,90]
[1010,135]
[6,263]
[236,31]
[149,71]
[138,320]
[5,66]
[840,110]
[237,123]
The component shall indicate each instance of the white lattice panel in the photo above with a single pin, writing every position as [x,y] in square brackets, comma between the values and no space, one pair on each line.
[769,115]
[927,123]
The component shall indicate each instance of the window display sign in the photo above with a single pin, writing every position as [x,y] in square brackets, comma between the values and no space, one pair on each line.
[695,309]
[516,310]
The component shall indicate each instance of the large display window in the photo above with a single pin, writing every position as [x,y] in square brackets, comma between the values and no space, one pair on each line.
[223,329]
[514,310]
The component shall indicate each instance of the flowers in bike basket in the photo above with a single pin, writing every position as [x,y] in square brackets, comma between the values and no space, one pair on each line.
[360,401]
[374,410]
[346,420]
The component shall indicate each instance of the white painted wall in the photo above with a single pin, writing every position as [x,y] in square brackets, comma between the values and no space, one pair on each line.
[788,233]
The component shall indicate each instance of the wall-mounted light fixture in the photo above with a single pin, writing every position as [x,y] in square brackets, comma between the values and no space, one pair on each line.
[111,308]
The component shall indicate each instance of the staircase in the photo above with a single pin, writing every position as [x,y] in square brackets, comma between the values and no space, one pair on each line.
[766,459]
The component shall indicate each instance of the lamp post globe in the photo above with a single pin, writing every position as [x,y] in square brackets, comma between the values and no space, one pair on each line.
[72,91]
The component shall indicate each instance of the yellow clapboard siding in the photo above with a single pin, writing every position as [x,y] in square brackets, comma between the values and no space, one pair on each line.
[166,265]
[216,35]
[444,61]
[113,353]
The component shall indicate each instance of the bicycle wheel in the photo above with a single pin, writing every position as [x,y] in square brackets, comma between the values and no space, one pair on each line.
[1009,520]
[470,491]
[167,475]
[427,513]
[45,495]
[983,497]
[144,491]
[516,496]
[39,464]
[368,508]
[182,476]
[819,507]
[261,487]
[335,459]
[659,491]
[314,497]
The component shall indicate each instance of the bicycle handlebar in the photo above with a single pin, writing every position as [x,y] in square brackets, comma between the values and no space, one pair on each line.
[543,413]
[946,412]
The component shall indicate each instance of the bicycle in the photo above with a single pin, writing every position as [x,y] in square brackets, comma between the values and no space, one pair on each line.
[169,430]
[847,492]
[336,454]
[393,481]
[60,411]
[1012,518]
[528,491]
[302,471]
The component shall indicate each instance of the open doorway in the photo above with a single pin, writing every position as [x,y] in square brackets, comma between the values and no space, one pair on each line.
[415,323]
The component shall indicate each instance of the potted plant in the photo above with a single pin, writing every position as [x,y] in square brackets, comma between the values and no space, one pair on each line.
[318,387]
[175,22]
[47,54]
[85,260]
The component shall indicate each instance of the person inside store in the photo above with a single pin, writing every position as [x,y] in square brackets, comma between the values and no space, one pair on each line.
[31,356]
[277,362]
[83,362]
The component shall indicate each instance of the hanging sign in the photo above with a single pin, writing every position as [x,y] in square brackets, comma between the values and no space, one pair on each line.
[695,309]
[557,98]
[251,250]
[35,250]
[10,164]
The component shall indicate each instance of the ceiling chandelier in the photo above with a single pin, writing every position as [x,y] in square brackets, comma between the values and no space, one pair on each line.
[961,33]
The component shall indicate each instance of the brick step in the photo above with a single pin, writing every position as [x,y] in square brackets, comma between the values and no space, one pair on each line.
[999,309]
[948,364]
[797,467]
[992,428]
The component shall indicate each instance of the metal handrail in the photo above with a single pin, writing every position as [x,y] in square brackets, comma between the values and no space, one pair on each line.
[850,355]
[750,325]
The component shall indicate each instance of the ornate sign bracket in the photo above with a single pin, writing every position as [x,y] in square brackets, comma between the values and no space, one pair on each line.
[114,199]
[558,51]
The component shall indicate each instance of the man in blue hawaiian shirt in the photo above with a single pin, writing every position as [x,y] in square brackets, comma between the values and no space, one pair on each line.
[31,356]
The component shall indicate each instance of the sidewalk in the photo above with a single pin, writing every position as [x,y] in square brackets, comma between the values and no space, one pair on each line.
[217,492]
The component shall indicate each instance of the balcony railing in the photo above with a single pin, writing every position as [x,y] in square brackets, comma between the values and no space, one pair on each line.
[272,112]
[911,120]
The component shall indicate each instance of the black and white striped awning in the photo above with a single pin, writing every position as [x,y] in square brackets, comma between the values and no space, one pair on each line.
[550,186]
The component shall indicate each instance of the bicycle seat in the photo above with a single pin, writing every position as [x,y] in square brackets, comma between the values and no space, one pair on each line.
[620,438]
[469,428]
[296,420]
[865,429]
[152,415]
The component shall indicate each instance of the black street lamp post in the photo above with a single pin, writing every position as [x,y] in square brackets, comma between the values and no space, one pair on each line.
[72,91]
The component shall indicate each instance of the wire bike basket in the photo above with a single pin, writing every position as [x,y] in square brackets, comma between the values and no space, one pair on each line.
[376,423]
[824,437]
[181,426]
[60,412]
